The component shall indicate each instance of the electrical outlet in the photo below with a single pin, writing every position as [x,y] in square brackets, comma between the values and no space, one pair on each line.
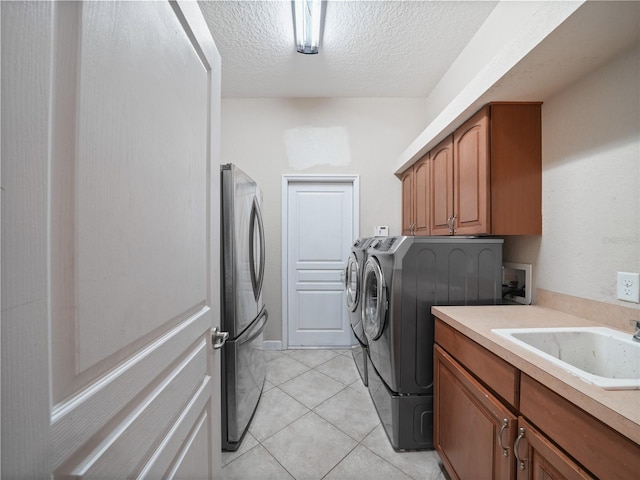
[629,287]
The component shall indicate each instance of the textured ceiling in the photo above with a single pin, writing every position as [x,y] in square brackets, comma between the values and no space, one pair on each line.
[368,49]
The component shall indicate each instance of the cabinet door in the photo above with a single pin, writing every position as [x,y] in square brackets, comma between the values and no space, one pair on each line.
[421,176]
[473,431]
[539,459]
[472,194]
[407,202]
[442,187]
[516,169]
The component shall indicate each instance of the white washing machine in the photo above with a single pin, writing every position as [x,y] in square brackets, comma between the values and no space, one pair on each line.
[403,278]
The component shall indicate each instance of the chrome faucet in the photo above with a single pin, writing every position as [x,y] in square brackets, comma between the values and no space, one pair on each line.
[636,335]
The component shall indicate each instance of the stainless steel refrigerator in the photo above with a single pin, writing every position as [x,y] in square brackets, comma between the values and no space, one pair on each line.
[244,315]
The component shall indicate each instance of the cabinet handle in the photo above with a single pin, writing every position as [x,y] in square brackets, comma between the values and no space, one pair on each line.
[450,223]
[505,424]
[454,223]
[515,449]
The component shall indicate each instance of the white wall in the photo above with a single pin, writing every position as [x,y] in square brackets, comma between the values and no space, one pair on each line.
[360,136]
[512,31]
[509,33]
[591,184]
[591,179]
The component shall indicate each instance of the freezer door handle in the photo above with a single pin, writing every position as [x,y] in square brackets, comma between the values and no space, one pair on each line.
[218,338]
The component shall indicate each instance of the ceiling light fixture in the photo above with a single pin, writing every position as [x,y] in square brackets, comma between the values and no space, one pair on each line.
[307,15]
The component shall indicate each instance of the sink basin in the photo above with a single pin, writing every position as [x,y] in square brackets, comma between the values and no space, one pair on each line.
[599,355]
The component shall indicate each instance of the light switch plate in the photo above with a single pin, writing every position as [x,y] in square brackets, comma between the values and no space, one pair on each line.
[382,231]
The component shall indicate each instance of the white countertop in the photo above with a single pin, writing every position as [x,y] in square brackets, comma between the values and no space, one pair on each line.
[620,409]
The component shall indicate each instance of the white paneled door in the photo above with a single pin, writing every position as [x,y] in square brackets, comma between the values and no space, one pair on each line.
[110,241]
[321,224]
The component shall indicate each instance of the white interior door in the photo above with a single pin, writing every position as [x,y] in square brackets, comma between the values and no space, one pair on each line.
[110,241]
[321,225]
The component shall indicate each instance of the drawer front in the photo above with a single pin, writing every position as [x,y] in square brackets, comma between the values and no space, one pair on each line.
[501,377]
[594,445]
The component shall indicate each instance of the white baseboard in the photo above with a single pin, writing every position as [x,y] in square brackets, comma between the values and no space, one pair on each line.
[272,344]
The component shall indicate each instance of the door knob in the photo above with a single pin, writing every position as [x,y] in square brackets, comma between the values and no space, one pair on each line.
[218,338]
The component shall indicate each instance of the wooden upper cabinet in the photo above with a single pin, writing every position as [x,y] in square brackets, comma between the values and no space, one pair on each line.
[415,198]
[421,174]
[407,202]
[516,168]
[442,187]
[471,176]
[485,179]
[498,171]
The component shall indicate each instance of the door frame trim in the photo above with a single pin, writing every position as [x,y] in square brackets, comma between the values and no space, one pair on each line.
[354,180]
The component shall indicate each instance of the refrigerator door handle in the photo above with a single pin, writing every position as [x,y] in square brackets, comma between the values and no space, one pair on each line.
[256,277]
[218,338]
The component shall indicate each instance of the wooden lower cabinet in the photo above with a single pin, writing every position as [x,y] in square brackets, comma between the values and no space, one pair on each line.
[596,446]
[539,459]
[474,432]
[545,436]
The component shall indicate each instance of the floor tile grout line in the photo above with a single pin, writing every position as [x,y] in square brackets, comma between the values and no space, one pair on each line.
[312,367]
[312,410]
[398,467]
[387,461]
[278,461]
[290,473]
[336,380]
[292,421]
[346,433]
[358,443]
[259,444]
[243,454]
[384,459]
[322,363]
[340,461]
[295,376]
[336,426]
[356,389]
[322,373]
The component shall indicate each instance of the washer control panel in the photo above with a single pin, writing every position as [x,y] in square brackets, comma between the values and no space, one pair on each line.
[386,244]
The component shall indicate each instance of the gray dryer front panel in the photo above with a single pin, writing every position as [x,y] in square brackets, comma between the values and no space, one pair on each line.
[431,271]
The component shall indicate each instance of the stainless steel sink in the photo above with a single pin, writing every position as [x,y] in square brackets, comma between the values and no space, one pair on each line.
[602,356]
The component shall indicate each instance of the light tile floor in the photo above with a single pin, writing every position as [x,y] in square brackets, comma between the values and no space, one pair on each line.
[316,420]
